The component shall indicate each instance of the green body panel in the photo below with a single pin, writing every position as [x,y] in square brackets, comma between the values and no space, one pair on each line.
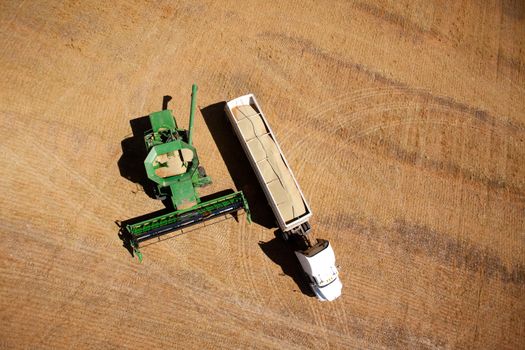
[165,139]
[183,194]
[162,120]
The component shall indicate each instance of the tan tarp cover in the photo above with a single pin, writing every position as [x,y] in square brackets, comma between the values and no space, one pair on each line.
[275,173]
[177,163]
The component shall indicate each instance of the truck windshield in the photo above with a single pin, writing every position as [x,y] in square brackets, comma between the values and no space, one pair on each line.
[326,279]
[319,247]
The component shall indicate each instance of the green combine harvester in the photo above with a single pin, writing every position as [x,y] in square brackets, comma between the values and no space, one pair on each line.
[172,163]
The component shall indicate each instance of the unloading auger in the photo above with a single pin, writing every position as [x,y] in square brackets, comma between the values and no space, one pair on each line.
[172,163]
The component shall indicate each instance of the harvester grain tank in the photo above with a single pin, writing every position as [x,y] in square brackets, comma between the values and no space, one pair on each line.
[283,194]
[173,165]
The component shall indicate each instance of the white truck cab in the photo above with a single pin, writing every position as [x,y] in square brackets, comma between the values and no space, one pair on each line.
[318,263]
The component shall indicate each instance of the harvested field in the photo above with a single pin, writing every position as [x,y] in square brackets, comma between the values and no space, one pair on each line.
[404,123]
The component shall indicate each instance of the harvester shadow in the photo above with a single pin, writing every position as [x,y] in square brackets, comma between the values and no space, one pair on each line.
[165,100]
[131,167]
[238,166]
[281,253]
[131,164]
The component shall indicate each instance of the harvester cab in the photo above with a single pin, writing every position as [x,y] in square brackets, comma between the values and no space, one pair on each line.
[173,165]
[172,161]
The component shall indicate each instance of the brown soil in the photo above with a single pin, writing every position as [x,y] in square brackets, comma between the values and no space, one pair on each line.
[404,123]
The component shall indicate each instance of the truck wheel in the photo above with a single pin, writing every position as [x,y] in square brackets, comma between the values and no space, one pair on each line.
[284,236]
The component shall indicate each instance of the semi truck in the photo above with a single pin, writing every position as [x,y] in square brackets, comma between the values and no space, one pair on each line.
[287,201]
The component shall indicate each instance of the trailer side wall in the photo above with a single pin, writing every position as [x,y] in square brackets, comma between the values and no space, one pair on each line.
[273,172]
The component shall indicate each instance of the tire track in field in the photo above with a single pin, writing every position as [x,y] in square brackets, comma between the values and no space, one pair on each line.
[253,309]
[246,267]
[358,115]
[321,110]
[51,158]
[209,299]
[320,158]
[497,184]
[325,127]
[318,177]
[417,239]
[318,155]
[276,288]
[69,200]
[96,246]
[378,109]
[297,44]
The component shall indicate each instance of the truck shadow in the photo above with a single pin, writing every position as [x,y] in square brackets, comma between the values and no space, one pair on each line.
[238,165]
[281,253]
